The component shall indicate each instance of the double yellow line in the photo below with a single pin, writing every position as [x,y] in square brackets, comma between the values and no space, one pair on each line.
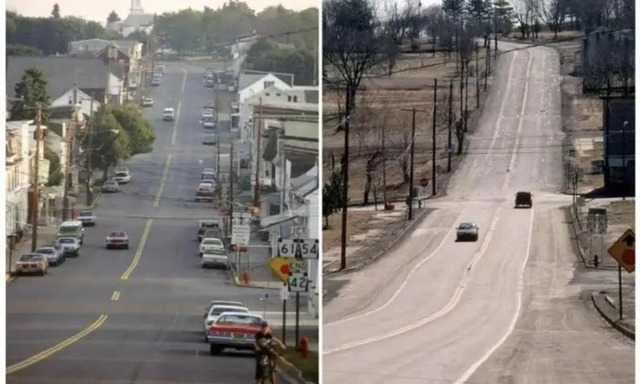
[56,348]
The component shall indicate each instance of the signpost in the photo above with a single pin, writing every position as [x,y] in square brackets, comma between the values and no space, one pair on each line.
[241,235]
[284,295]
[597,223]
[307,248]
[624,252]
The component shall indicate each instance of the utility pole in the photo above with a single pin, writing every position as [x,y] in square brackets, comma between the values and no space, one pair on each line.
[466,95]
[36,183]
[230,199]
[413,142]
[345,181]
[218,164]
[89,150]
[488,67]
[433,150]
[477,77]
[384,167]
[256,192]
[462,94]
[69,160]
[449,146]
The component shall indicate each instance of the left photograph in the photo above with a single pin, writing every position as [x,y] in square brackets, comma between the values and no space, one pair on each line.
[162,195]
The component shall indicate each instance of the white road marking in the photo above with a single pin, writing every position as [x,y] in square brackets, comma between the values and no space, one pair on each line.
[520,124]
[404,282]
[512,326]
[455,299]
[175,125]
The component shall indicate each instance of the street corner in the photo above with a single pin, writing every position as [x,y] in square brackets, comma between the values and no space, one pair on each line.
[607,309]
[9,278]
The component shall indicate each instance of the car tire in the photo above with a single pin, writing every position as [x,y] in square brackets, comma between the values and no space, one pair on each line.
[215,349]
[126,246]
[108,246]
[76,254]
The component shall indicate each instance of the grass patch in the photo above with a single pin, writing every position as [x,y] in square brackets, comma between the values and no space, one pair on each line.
[308,366]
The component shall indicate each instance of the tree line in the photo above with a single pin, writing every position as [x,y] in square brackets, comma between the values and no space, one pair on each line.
[117,132]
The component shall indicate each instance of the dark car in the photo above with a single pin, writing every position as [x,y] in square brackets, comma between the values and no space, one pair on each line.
[524,199]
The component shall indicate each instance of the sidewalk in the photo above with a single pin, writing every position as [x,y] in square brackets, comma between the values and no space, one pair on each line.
[46,235]
[255,263]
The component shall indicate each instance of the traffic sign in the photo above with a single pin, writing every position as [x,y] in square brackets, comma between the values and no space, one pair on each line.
[298,231]
[597,223]
[624,250]
[280,266]
[284,293]
[241,218]
[302,248]
[298,282]
[240,234]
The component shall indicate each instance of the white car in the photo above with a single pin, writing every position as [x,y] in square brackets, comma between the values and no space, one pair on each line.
[215,258]
[211,244]
[205,191]
[70,246]
[122,176]
[209,139]
[207,113]
[209,123]
[88,218]
[208,174]
[168,114]
[147,102]
[217,310]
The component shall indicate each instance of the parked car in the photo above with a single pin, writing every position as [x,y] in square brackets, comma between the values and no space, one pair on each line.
[70,246]
[110,186]
[156,80]
[205,225]
[54,258]
[205,191]
[168,114]
[213,257]
[233,330]
[32,263]
[210,139]
[208,174]
[524,199]
[211,244]
[88,218]
[467,231]
[117,239]
[73,228]
[147,102]
[222,302]
[217,310]
[122,176]
[209,123]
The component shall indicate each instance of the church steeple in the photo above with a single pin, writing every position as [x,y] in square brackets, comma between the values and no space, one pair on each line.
[136,7]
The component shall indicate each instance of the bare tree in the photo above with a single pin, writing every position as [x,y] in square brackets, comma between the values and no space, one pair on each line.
[553,13]
[433,18]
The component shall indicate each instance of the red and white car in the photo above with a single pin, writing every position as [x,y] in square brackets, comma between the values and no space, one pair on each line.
[117,239]
[235,330]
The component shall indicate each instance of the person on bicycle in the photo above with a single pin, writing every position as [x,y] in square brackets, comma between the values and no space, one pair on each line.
[265,333]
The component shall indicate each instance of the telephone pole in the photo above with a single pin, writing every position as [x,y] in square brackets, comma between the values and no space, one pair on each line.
[433,150]
[67,174]
[230,199]
[36,183]
[89,150]
[384,168]
[256,192]
[449,144]
[413,142]
[477,80]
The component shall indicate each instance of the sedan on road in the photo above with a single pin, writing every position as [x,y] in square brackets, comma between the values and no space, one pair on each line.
[168,114]
[122,176]
[117,240]
[217,310]
[110,186]
[88,218]
[70,246]
[209,139]
[209,123]
[212,257]
[467,231]
[147,102]
[32,263]
[54,258]
[233,330]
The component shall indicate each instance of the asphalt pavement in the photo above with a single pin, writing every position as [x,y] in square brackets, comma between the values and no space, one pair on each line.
[135,316]
[504,309]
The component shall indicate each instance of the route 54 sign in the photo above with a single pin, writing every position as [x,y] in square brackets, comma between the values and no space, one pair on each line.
[298,282]
[302,248]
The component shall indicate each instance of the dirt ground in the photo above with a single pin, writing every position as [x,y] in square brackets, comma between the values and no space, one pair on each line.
[380,103]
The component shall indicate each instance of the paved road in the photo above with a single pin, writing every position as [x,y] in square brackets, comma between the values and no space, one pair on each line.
[505,309]
[152,331]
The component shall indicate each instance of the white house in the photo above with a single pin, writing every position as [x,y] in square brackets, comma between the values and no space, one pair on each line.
[81,98]
[18,175]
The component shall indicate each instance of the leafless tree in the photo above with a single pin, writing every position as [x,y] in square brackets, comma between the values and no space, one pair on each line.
[553,13]
[434,23]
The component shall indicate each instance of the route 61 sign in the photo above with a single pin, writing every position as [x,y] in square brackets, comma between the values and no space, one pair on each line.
[298,282]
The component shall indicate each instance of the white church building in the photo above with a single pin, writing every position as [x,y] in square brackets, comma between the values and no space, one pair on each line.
[136,21]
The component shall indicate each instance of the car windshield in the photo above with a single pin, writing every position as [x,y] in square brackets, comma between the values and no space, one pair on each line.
[239,320]
[466,226]
[217,311]
[116,234]
[46,250]
[66,241]
[211,241]
[111,183]
[69,230]
[86,213]
[121,173]
[30,257]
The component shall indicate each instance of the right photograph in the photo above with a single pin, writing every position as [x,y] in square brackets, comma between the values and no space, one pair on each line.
[478,191]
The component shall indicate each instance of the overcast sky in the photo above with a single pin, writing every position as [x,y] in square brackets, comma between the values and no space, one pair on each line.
[99,10]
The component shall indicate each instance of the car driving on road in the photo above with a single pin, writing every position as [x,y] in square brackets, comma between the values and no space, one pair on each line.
[117,239]
[147,102]
[217,310]
[110,186]
[233,330]
[168,114]
[70,246]
[88,218]
[32,263]
[524,199]
[54,257]
[467,231]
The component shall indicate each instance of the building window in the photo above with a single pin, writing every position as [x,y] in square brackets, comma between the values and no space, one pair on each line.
[268,84]
[266,94]
[295,99]
[278,95]
[266,172]
[289,98]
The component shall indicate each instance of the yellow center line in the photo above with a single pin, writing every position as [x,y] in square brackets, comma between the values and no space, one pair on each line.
[136,258]
[115,296]
[56,348]
[164,179]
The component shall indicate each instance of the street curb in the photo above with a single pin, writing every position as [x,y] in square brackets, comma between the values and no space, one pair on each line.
[290,372]
[238,283]
[577,237]
[9,278]
[623,329]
